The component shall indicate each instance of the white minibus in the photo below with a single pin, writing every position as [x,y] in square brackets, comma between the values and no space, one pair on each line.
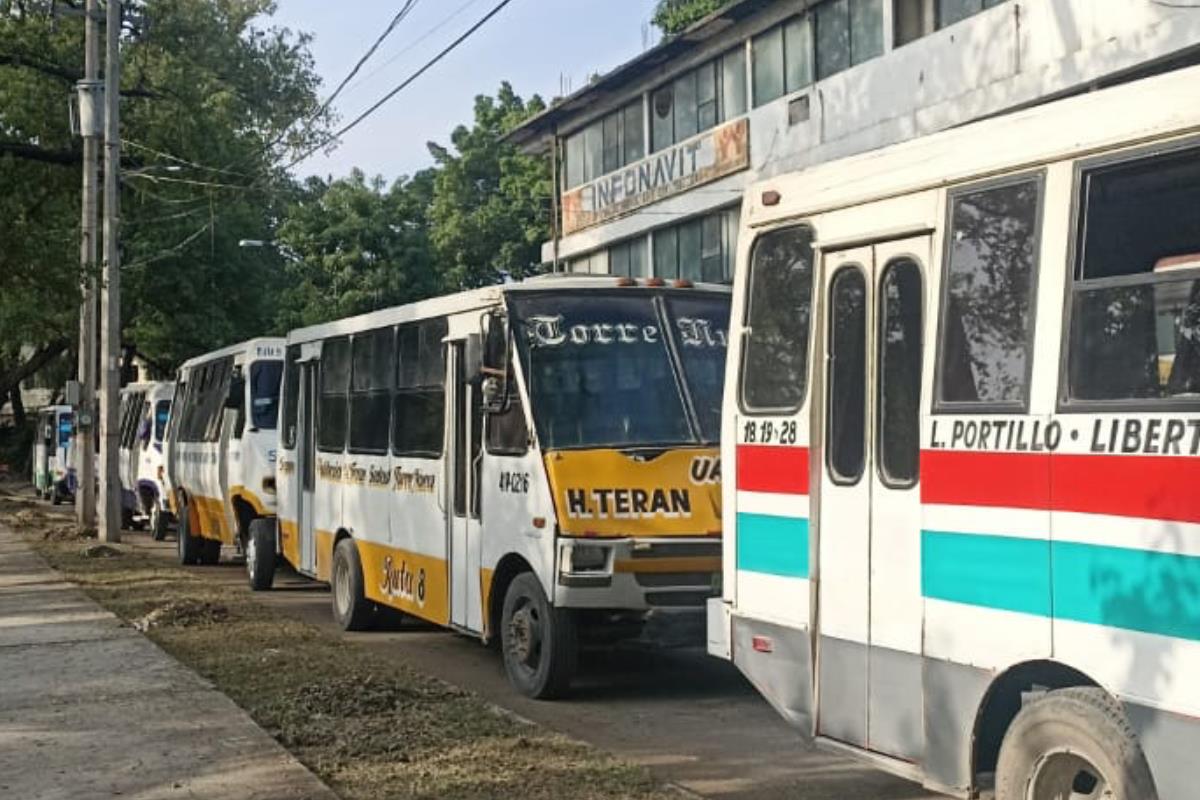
[220,446]
[144,412]
[533,462]
[53,474]
[962,429]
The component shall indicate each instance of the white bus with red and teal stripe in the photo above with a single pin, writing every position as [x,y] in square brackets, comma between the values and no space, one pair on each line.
[962,448]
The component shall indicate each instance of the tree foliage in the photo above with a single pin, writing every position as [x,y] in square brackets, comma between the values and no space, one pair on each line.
[673,16]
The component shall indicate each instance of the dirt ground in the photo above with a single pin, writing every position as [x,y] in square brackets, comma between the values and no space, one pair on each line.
[369,727]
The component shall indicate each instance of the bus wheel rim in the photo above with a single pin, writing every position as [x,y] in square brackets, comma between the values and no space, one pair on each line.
[342,584]
[525,636]
[1066,775]
[251,555]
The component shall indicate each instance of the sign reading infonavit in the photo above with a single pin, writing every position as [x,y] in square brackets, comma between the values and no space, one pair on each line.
[701,159]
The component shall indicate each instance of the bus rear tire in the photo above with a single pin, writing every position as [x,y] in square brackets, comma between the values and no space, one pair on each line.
[539,641]
[351,609]
[260,554]
[189,546]
[1072,742]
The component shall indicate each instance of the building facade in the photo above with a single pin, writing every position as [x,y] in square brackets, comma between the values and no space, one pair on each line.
[652,158]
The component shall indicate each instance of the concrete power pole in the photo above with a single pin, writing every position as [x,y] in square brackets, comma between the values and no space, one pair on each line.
[85,441]
[110,294]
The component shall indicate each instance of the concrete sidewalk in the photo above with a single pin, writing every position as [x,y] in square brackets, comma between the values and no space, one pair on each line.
[90,708]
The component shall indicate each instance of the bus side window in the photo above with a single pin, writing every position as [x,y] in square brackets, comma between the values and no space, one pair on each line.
[419,405]
[987,319]
[331,405]
[774,367]
[372,377]
[1135,304]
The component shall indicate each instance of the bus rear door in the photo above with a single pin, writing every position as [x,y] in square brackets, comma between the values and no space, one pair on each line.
[869,611]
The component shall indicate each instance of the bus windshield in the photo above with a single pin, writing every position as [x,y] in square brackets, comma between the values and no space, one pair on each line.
[602,372]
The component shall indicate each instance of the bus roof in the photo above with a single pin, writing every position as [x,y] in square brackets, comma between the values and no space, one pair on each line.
[153,388]
[236,349]
[472,299]
[1141,110]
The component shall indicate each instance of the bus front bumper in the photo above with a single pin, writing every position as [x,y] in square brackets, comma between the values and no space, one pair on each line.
[637,574]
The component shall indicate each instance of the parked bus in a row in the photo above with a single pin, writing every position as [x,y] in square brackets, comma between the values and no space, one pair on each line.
[53,474]
[145,409]
[962,429]
[220,446]
[534,462]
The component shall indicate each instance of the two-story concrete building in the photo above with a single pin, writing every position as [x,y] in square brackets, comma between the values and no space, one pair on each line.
[652,158]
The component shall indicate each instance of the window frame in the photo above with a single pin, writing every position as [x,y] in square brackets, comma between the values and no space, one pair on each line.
[814,286]
[894,261]
[442,388]
[389,391]
[319,395]
[1064,404]
[940,406]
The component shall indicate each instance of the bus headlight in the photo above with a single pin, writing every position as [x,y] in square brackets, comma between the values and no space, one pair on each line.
[588,557]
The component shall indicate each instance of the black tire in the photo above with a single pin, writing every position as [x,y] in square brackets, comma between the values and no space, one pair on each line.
[210,552]
[158,522]
[351,609]
[1072,742]
[260,554]
[539,641]
[189,546]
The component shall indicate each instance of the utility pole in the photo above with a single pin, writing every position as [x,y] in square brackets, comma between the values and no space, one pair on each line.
[110,293]
[85,415]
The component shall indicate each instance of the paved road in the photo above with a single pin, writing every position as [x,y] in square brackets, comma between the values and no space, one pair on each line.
[90,708]
[692,719]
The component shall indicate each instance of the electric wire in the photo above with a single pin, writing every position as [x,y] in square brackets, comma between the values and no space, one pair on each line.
[402,85]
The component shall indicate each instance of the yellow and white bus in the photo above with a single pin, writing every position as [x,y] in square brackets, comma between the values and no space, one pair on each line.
[145,410]
[220,446]
[532,461]
[962,426]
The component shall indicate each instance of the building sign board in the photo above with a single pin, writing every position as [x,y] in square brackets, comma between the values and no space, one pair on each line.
[695,161]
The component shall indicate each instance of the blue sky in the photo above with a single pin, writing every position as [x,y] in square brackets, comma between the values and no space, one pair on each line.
[531,43]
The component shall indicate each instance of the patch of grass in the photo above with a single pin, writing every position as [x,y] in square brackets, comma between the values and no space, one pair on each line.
[370,728]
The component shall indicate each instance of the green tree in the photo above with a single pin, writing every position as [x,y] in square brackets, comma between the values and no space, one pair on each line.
[673,16]
[353,245]
[213,101]
[491,203]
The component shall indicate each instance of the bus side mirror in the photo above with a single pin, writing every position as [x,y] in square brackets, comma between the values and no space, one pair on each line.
[237,393]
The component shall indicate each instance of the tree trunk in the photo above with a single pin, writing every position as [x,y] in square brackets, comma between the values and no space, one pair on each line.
[18,407]
[11,380]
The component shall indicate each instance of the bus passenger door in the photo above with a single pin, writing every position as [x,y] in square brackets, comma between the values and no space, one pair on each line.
[306,457]
[869,684]
[464,545]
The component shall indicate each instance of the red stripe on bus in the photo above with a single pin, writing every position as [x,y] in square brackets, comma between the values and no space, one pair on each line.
[1149,487]
[772,468]
[1153,487]
[970,478]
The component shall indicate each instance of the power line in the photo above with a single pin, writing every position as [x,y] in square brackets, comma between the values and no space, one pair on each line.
[401,14]
[413,44]
[180,160]
[402,85]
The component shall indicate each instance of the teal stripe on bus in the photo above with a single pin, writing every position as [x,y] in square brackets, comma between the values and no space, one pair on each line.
[772,544]
[1116,587]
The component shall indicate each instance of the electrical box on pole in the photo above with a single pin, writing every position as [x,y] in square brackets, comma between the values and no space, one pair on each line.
[88,116]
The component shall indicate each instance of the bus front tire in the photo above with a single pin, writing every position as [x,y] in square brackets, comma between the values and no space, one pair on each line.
[210,552]
[189,546]
[158,523]
[351,609]
[539,641]
[1072,742]
[260,554]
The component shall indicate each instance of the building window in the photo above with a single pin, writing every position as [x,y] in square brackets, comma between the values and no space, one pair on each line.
[952,11]
[698,100]
[911,19]
[595,263]
[606,145]
[782,60]
[848,32]
[1135,315]
[700,249]
[628,258]
[987,313]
